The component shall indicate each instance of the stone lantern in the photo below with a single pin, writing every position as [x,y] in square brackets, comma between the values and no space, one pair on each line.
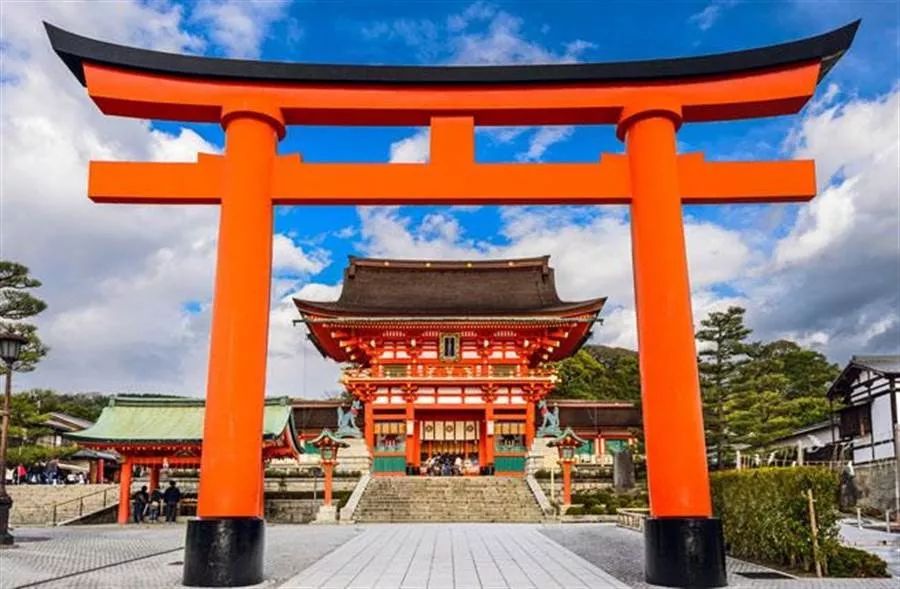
[567,443]
[328,445]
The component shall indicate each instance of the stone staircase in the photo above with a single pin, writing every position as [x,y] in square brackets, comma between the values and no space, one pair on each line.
[448,499]
[42,505]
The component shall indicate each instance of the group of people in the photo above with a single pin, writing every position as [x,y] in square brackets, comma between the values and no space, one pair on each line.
[147,506]
[450,465]
[42,473]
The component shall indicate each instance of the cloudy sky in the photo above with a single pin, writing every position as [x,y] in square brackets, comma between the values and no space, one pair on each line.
[129,287]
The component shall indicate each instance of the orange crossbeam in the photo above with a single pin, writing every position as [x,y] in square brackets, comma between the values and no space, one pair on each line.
[606,182]
[157,182]
[701,182]
[767,92]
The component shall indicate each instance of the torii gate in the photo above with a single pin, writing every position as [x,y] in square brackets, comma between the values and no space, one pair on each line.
[647,101]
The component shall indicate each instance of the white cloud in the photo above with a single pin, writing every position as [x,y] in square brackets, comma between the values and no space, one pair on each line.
[706,18]
[128,287]
[412,149]
[541,141]
[238,27]
[287,256]
[479,35]
[834,279]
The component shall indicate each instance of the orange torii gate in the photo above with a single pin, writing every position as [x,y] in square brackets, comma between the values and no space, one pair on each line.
[647,101]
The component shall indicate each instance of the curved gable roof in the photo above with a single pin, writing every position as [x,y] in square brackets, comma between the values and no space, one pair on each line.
[162,420]
[437,288]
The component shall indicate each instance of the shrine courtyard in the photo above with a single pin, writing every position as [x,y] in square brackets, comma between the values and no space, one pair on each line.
[398,556]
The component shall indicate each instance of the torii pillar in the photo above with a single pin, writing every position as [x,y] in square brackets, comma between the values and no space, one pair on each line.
[647,101]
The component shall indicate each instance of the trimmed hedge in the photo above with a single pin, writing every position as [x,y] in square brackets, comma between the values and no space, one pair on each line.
[765,515]
[853,562]
[606,501]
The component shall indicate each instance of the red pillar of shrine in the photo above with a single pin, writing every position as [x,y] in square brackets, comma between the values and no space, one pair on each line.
[529,424]
[124,491]
[567,482]
[369,412]
[411,451]
[682,540]
[489,435]
[328,467]
[229,528]
[154,478]
[101,467]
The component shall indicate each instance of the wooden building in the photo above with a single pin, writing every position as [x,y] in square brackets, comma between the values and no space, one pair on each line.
[869,389]
[453,357]
[159,433]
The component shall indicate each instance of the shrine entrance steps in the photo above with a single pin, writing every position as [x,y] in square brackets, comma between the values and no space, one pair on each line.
[448,499]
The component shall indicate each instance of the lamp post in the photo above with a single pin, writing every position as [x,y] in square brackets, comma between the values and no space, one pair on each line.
[566,443]
[328,446]
[10,348]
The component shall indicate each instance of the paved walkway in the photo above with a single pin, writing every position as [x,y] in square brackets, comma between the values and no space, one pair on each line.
[620,552]
[874,540]
[398,556]
[440,556]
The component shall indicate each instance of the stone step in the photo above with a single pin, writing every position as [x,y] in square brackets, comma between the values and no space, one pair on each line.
[447,499]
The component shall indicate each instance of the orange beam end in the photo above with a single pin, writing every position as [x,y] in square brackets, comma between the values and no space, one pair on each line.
[702,182]
[157,182]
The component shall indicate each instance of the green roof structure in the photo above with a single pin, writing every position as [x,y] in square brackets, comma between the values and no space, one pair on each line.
[163,420]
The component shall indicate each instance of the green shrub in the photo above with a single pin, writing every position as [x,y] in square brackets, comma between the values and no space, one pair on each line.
[845,561]
[575,510]
[765,514]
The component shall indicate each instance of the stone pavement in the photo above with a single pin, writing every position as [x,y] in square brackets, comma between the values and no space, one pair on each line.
[436,556]
[145,556]
[871,539]
[426,556]
[620,552]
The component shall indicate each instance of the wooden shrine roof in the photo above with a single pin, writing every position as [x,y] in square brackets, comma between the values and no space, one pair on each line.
[171,421]
[435,288]
[887,366]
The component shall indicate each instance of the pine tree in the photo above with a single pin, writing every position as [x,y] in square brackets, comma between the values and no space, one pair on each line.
[16,304]
[722,354]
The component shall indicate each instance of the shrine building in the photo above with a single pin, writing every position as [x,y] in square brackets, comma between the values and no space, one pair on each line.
[457,357]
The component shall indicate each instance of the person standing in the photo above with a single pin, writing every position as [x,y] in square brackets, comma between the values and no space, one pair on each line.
[53,471]
[139,504]
[171,498]
[156,498]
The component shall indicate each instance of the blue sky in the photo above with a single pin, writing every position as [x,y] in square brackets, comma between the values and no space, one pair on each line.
[422,33]
[129,287]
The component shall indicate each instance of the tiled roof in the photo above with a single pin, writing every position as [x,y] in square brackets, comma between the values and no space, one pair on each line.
[435,288]
[162,420]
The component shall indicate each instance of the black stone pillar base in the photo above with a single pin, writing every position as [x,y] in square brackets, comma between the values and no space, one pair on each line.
[684,552]
[224,552]
[6,539]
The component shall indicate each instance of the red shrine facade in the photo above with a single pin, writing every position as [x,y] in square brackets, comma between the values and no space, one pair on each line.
[449,357]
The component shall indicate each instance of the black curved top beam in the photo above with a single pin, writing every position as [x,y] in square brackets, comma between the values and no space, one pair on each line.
[75,50]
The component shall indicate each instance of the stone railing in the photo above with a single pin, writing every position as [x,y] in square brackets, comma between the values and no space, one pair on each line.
[349,509]
[632,518]
[538,493]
